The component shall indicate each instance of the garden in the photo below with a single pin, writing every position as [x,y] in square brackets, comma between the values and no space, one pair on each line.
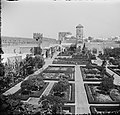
[62,92]
[55,72]
[32,87]
[53,103]
[65,91]
[93,73]
[104,93]
[47,105]
[112,55]
[76,56]
[12,74]
[65,60]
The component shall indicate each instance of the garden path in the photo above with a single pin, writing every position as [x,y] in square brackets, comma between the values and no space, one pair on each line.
[47,90]
[81,101]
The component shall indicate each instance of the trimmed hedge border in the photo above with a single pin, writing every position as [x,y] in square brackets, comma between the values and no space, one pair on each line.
[26,97]
[56,79]
[112,69]
[69,67]
[37,95]
[91,98]
[72,73]
[72,91]
[104,108]
[70,62]
[71,108]
[87,79]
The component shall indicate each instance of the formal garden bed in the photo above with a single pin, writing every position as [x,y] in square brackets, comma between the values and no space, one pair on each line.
[70,61]
[28,94]
[59,69]
[97,94]
[115,69]
[104,109]
[54,72]
[92,74]
[12,74]
[68,95]
[46,105]
[55,76]
[32,87]
[78,56]
[69,109]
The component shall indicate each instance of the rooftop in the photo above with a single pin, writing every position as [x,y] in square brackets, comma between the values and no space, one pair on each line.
[79,26]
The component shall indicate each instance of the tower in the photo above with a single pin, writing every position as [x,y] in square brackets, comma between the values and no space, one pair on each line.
[79,33]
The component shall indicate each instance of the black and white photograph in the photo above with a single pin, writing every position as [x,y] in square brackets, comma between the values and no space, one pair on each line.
[60,57]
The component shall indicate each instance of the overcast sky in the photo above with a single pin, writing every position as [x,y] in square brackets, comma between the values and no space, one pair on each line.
[22,19]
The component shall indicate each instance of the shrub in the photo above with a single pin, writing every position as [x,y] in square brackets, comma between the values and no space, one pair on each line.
[2,70]
[61,87]
[38,61]
[26,85]
[51,104]
[107,83]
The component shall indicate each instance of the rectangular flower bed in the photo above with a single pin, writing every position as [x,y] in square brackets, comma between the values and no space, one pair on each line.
[59,69]
[69,109]
[51,74]
[96,96]
[36,94]
[115,70]
[104,109]
[21,97]
[58,61]
[92,75]
[72,61]
[55,76]
[70,93]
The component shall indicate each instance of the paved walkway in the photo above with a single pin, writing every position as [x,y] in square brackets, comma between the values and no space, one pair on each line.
[47,90]
[81,101]
[116,77]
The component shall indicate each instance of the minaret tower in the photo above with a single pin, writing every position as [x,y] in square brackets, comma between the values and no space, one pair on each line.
[79,33]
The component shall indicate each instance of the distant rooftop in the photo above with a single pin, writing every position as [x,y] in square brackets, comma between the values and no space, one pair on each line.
[79,26]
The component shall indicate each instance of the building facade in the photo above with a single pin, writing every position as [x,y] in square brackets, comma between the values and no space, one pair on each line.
[79,33]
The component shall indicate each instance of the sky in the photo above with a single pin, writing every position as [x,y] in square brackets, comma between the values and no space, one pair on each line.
[23,18]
